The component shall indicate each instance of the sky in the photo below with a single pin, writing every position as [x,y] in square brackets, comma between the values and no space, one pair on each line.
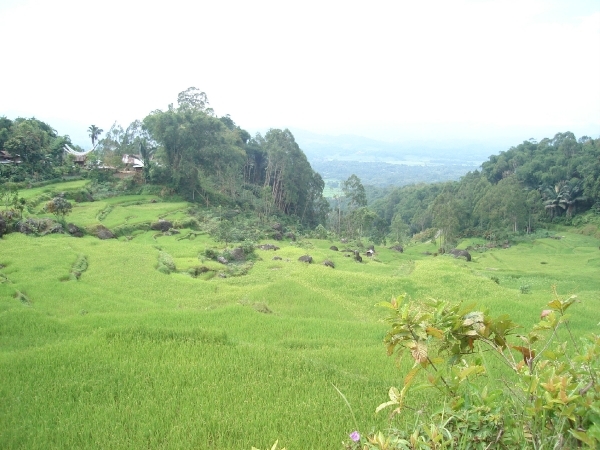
[398,70]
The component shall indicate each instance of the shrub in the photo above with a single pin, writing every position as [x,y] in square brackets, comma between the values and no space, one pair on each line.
[548,398]
[166,264]
[79,266]
[211,253]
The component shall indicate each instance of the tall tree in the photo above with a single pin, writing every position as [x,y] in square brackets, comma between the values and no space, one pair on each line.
[354,192]
[198,149]
[95,132]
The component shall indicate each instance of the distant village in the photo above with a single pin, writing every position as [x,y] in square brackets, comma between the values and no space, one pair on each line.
[132,163]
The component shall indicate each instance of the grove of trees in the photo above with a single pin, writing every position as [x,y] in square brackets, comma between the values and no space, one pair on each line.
[187,148]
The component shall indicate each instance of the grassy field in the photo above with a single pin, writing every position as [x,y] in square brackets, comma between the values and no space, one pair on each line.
[128,357]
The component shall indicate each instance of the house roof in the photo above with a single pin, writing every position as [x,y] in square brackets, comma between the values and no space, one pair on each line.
[134,160]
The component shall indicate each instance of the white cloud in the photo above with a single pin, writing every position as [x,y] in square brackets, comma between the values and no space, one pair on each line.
[386,67]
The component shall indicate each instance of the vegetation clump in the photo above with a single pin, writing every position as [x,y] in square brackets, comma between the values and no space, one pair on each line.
[39,227]
[166,264]
[79,266]
[548,394]
[60,207]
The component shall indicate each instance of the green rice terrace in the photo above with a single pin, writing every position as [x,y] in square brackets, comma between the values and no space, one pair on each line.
[162,337]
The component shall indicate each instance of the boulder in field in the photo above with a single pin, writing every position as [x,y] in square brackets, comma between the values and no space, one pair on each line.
[238,254]
[162,225]
[74,230]
[104,233]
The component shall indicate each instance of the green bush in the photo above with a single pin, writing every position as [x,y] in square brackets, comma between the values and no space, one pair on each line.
[211,253]
[166,264]
[548,397]
[79,266]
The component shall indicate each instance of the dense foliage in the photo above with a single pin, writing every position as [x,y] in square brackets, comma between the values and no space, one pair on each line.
[188,150]
[514,192]
[206,159]
[548,397]
[36,146]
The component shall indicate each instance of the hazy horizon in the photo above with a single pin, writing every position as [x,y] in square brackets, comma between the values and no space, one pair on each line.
[490,71]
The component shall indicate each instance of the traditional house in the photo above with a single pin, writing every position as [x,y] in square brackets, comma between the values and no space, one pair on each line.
[7,158]
[79,160]
[133,163]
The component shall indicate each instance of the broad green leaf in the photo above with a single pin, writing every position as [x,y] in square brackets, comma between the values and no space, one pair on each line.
[385,305]
[555,305]
[568,302]
[431,331]
[385,405]
[472,370]
[408,379]
[583,437]
[594,432]
[534,384]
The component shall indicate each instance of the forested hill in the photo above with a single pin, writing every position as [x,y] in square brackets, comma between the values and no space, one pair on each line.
[551,180]
[190,152]
[187,150]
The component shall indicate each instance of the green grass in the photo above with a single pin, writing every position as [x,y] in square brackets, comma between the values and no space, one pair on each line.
[28,194]
[128,357]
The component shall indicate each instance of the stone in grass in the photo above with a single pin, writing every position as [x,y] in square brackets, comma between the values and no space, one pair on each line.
[74,230]
[238,254]
[458,253]
[305,258]
[162,225]
[329,263]
[222,260]
[268,247]
[104,233]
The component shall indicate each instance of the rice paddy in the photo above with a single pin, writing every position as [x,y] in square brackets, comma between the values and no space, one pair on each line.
[125,356]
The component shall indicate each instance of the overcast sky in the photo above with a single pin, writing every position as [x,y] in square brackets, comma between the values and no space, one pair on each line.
[390,70]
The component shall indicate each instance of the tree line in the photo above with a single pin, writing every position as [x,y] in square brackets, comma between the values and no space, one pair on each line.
[210,160]
[514,192]
[199,156]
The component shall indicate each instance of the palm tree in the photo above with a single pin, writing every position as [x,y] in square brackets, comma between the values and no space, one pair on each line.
[94,133]
[571,195]
[553,201]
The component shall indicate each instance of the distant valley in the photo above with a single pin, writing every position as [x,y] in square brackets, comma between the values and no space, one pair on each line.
[380,163]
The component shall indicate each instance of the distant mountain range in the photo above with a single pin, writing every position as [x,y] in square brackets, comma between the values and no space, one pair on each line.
[358,148]
[381,163]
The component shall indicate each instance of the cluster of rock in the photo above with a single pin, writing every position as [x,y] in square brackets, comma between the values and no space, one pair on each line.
[308,259]
[268,247]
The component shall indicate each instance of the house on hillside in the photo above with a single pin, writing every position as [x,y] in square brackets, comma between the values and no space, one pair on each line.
[133,163]
[7,158]
[79,160]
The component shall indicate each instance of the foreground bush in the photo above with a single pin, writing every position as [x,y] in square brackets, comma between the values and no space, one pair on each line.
[547,398]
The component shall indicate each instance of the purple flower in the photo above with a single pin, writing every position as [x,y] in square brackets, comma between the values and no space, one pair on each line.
[355,436]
